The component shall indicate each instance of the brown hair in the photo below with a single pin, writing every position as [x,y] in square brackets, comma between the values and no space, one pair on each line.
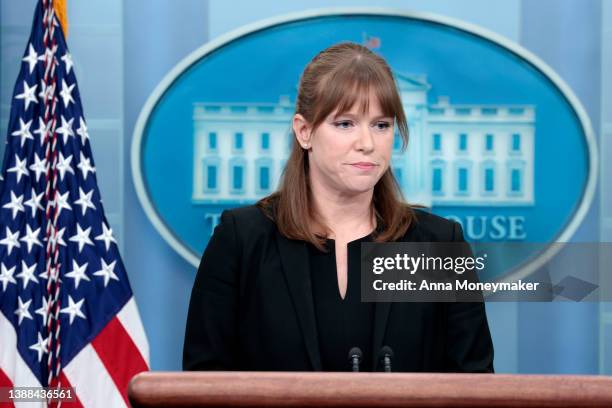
[337,78]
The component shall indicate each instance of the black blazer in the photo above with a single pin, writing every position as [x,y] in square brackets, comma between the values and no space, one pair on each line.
[251,307]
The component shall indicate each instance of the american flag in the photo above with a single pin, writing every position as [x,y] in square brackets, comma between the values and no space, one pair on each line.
[67,312]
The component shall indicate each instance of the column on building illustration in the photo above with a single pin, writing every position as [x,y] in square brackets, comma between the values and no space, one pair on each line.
[411,165]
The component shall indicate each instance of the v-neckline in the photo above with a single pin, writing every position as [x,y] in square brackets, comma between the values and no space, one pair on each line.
[331,244]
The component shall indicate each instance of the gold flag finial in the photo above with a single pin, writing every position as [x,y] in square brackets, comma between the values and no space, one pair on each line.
[62,16]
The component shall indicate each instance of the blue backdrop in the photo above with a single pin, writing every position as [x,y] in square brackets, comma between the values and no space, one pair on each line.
[123,49]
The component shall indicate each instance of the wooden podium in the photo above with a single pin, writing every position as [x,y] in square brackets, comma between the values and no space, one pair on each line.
[311,389]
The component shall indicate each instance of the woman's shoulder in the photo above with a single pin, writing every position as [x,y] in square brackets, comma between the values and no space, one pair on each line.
[249,220]
[431,227]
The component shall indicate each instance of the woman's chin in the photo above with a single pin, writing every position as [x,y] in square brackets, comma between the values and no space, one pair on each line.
[360,188]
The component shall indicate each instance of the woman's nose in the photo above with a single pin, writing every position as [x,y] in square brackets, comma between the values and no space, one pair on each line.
[365,139]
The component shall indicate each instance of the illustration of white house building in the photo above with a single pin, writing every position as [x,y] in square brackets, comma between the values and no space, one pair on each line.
[458,155]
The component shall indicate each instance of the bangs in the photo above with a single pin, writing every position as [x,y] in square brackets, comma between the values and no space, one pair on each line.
[353,84]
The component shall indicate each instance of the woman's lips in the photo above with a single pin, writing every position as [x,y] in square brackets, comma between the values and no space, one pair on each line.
[364,166]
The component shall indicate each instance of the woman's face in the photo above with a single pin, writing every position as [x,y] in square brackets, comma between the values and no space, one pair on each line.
[350,152]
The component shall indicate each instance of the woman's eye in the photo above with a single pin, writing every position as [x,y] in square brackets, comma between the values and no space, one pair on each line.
[383,125]
[343,124]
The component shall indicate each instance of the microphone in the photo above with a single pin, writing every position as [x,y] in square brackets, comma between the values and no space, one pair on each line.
[354,357]
[385,355]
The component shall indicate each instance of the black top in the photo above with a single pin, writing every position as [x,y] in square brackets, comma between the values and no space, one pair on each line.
[341,323]
[252,307]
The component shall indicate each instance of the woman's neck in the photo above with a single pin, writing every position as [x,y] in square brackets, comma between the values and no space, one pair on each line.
[347,216]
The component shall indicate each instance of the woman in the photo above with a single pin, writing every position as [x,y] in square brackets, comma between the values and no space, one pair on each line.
[278,287]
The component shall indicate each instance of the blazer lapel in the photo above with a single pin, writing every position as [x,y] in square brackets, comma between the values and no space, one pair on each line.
[382,309]
[295,265]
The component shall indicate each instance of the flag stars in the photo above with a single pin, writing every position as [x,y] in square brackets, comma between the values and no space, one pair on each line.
[58,238]
[66,128]
[81,237]
[73,309]
[106,236]
[39,166]
[107,272]
[32,58]
[85,166]
[23,132]
[19,168]
[44,274]
[63,165]
[49,55]
[54,277]
[43,311]
[27,274]
[31,237]
[6,276]
[35,202]
[46,91]
[82,131]
[28,95]
[15,205]
[11,240]
[67,58]
[23,311]
[40,346]
[42,131]
[61,202]
[85,200]
[78,273]
[66,93]
[43,90]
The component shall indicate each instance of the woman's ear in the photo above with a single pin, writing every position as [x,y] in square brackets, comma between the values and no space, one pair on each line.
[302,130]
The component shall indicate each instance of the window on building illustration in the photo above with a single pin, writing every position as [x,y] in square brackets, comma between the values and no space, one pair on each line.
[212,109]
[264,178]
[462,179]
[436,183]
[489,142]
[237,177]
[463,141]
[436,142]
[516,142]
[489,111]
[211,177]
[515,180]
[238,136]
[489,180]
[265,141]
[212,140]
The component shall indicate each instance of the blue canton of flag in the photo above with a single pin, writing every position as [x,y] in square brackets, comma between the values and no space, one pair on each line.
[66,305]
